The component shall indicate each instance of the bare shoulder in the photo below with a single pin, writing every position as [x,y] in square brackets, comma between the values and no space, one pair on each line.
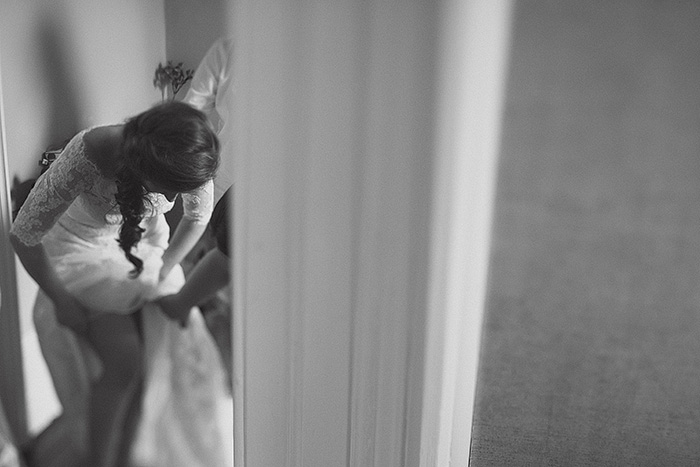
[102,146]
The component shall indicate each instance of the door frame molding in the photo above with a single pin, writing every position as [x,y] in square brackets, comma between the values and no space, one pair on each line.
[280,48]
[12,394]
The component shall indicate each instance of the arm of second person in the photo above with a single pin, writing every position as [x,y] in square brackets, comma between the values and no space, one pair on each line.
[209,275]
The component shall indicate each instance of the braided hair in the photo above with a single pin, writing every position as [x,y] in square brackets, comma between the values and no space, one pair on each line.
[171,145]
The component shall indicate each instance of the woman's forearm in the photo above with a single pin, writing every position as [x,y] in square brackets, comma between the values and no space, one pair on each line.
[184,239]
[208,276]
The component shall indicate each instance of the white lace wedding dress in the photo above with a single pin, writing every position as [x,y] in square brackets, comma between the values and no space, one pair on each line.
[187,411]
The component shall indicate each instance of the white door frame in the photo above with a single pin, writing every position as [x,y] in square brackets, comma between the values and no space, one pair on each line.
[11,373]
[333,91]
[474,48]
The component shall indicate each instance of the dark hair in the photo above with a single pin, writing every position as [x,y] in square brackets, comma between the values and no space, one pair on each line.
[171,145]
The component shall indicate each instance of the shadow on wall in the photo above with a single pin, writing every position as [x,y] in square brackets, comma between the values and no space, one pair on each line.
[60,85]
[54,53]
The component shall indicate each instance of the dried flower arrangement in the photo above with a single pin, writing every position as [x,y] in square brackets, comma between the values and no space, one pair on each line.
[173,76]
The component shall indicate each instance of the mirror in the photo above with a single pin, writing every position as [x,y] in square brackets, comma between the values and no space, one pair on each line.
[63,71]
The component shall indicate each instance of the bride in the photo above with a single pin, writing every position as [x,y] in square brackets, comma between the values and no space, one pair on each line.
[93,235]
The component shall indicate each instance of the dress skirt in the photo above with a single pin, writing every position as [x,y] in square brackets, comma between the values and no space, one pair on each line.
[187,410]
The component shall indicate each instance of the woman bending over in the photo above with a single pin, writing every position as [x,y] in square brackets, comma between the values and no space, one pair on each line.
[93,235]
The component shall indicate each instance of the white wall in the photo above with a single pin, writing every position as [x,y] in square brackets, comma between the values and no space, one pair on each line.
[191,27]
[69,64]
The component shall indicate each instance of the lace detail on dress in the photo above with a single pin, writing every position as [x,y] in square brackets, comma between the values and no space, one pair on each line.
[198,205]
[69,176]
[157,204]
[73,175]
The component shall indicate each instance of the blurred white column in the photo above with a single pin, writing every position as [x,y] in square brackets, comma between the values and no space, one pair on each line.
[368,138]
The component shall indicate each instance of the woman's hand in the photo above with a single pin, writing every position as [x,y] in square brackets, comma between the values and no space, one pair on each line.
[174,309]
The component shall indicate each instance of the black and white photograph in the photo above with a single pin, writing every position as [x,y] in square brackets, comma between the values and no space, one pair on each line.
[349,233]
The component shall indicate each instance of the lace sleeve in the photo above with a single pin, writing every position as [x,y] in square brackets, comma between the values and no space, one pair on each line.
[198,205]
[71,174]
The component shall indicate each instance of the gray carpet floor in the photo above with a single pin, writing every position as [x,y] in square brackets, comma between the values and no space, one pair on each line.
[591,345]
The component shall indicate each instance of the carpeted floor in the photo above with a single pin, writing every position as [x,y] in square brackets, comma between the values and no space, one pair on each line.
[591,347]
